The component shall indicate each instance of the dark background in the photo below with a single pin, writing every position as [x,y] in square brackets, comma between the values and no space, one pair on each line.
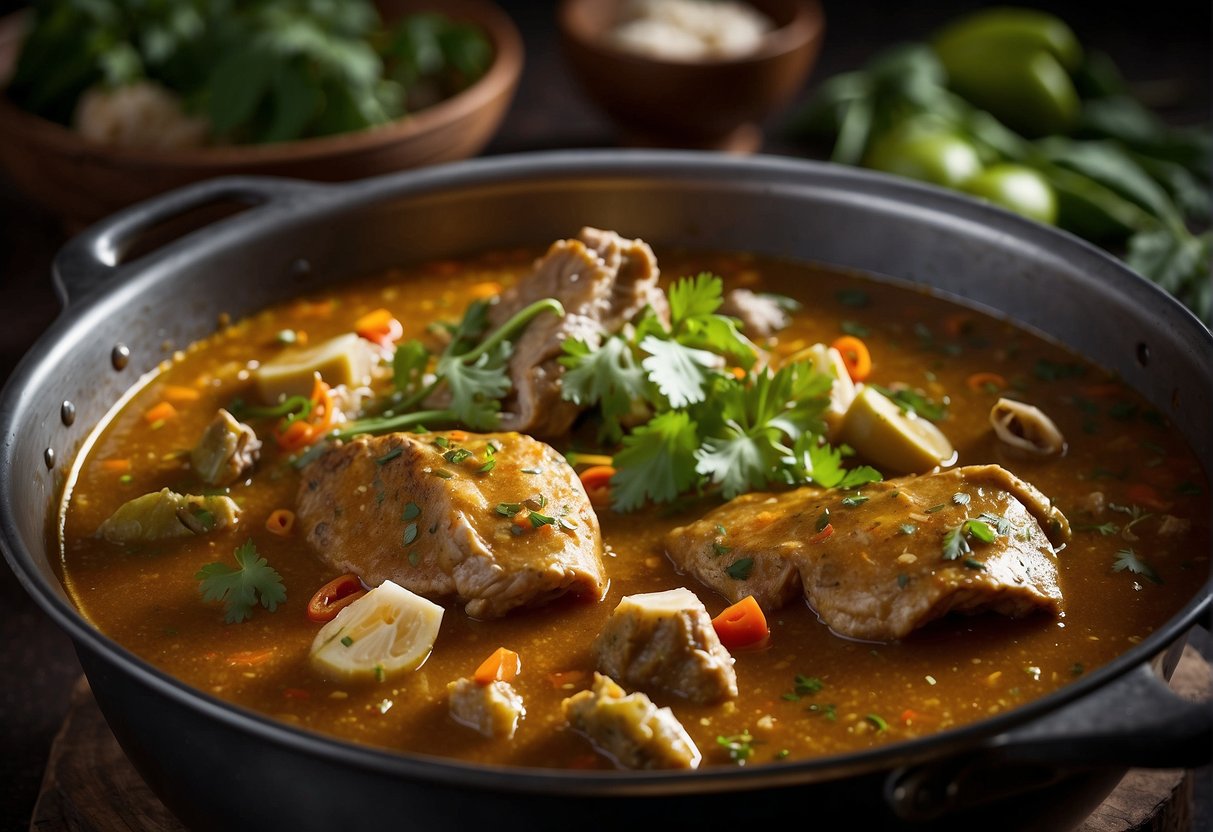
[1163,49]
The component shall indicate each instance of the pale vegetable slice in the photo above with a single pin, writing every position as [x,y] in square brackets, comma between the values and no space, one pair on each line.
[1027,428]
[165,514]
[389,630]
[891,439]
[829,361]
[346,359]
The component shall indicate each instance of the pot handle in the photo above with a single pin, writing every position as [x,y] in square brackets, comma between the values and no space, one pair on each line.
[98,253]
[1135,721]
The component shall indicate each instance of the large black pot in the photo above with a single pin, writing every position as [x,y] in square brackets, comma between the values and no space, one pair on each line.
[219,767]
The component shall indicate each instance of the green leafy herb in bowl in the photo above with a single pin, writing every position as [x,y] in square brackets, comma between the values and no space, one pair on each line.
[216,71]
[1006,105]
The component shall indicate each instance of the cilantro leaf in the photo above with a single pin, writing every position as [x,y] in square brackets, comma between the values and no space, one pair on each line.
[694,297]
[1127,559]
[679,372]
[657,461]
[408,365]
[738,461]
[477,387]
[239,588]
[822,464]
[608,377]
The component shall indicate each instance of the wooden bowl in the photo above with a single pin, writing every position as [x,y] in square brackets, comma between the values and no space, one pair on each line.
[707,104]
[82,181]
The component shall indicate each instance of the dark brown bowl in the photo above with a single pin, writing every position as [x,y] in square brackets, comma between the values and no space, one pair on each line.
[707,104]
[82,181]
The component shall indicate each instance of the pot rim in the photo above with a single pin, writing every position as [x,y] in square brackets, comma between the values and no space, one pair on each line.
[550,167]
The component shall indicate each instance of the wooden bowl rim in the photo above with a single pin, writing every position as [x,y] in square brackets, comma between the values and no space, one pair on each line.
[502,76]
[805,28]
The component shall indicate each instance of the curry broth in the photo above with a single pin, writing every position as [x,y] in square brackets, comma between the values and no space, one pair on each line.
[952,672]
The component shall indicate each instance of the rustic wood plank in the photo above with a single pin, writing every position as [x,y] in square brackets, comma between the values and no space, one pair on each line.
[90,786]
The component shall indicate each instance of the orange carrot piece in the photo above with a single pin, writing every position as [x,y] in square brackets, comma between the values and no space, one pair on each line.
[1142,494]
[178,394]
[855,356]
[502,666]
[484,291]
[597,483]
[986,381]
[824,534]
[742,625]
[116,466]
[380,327]
[457,435]
[161,412]
[280,522]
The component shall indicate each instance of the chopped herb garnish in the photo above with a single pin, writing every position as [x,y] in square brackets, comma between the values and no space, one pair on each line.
[442,442]
[240,588]
[508,509]
[877,721]
[1105,529]
[1077,669]
[960,498]
[410,533]
[720,549]
[390,455]
[823,520]
[489,465]
[936,508]
[956,539]
[972,563]
[854,328]
[442,472]
[411,511]
[807,685]
[740,569]
[532,471]
[916,402]
[126,479]
[414,557]
[854,298]
[346,641]
[740,746]
[903,580]
[853,500]
[455,456]
[380,675]
[1127,559]
[538,519]
[829,711]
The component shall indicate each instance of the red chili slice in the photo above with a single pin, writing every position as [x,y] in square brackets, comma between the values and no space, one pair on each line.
[333,597]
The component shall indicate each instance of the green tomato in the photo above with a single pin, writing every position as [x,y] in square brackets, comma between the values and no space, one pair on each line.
[929,154]
[1017,188]
[1016,64]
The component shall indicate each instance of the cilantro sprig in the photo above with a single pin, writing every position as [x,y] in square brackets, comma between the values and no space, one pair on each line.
[240,588]
[715,419]
[473,368]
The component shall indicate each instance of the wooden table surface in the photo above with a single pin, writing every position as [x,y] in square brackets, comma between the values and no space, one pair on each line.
[1164,48]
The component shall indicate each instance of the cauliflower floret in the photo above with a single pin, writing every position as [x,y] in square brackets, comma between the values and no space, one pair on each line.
[142,114]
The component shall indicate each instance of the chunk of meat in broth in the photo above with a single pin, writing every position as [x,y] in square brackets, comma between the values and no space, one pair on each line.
[493,710]
[664,641]
[426,511]
[629,728]
[603,281]
[881,564]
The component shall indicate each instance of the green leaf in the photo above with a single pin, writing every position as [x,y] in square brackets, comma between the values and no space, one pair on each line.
[409,364]
[739,461]
[679,372]
[239,588]
[1127,559]
[608,376]
[476,388]
[740,569]
[1179,263]
[657,461]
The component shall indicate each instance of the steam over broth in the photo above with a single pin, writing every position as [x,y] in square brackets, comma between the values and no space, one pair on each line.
[808,692]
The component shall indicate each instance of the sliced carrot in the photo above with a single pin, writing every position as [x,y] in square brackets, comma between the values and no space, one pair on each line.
[293,436]
[742,625]
[1142,494]
[597,483]
[458,435]
[161,412]
[178,394]
[855,356]
[910,716]
[116,466]
[485,290]
[380,327]
[824,534]
[502,666]
[280,522]
[739,373]
[250,658]
[991,382]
